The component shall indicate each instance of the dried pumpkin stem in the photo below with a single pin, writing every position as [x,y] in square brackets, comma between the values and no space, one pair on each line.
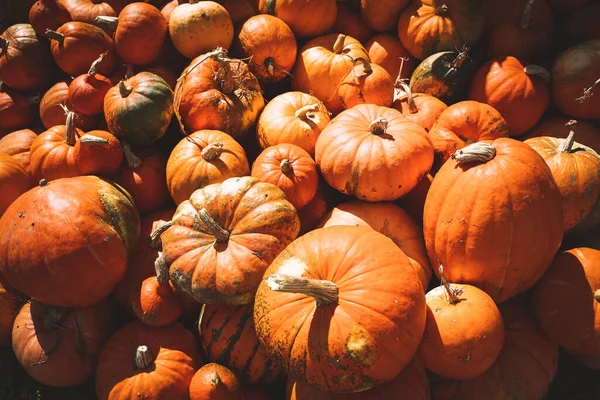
[215,379]
[451,292]
[53,35]
[441,10]
[587,93]
[70,138]
[567,144]
[536,70]
[212,151]
[285,165]
[324,292]
[526,17]
[304,112]
[412,107]
[270,64]
[597,295]
[366,64]
[94,67]
[154,240]
[143,358]
[161,267]
[475,152]
[378,126]
[338,46]
[92,140]
[124,90]
[107,22]
[131,159]
[221,234]
[43,182]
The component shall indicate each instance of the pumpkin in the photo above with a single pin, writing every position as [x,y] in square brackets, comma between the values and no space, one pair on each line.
[54,108]
[291,169]
[373,153]
[382,16]
[427,27]
[76,45]
[152,363]
[140,31]
[215,382]
[88,10]
[203,158]
[293,117]
[307,18]
[218,92]
[580,25]
[86,92]
[524,369]
[464,123]
[198,27]
[17,111]
[156,304]
[387,51]
[518,91]
[18,145]
[270,46]
[60,346]
[341,298]
[15,181]
[167,73]
[414,201]
[10,304]
[575,75]
[73,236]
[229,338]
[349,22]
[238,228]
[322,65]
[470,205]
[98,153]
[557,127]
[366,84]
[313,213]
[47,14]
[420,108]
[239,10]
[25,63]
[128,105]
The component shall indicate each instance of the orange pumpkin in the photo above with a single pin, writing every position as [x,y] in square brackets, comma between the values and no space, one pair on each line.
[86,92]
[558,127]
[387,50]
[349,22]
[381,15]
[313,213]
[420,108]
[366,84]
[98,153]
[414,201]
[215,382]
[55,106]
[17,111]
[155,303]
[18,145]
[88,10]
[47,14]
[14,179]
[307,18]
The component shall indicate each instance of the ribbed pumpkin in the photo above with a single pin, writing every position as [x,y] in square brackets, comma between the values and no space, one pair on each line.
[307,18]
[229,338]
[14,180]
[17,111]
[10,304]
[18,145]
[366,84]
[74,237]
[498,237]
[373,153]
[86,92]
[238,226]
[203,158]
[386,50]
[341,298]
[420,108]
[215,382]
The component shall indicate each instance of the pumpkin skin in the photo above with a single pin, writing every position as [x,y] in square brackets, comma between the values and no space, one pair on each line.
[414,201]
[359,156]
[260,222]
[348,21]
[53,113]
[58,346]
[86,92]
[127,105]
[387,51]
[323,63]
[523,220]
[239,10]
[229,338]
[88,10]
[307,18]
[571,80]
[271,46]
[17,111]
[519,92]
[203,158]
[464,123]
[10,305]
[366,84]
[47,14]
[215,382]
[390,220]
[18,145]
[85,258]
[14,179]
[156,304]
[98,153]
[382,16]
[313,213]
[420,108]
[557,127]
[349,258]
[427,27]
[24,61]
[291,169]
[293,117]
[173,359]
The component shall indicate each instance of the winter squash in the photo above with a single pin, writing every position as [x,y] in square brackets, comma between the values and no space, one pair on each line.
[198,27]
[55,106]
[60,346]
[313,213]
[128,105]
[147,362]
[215,382]
[218,92]
[76,45]
[98,153]
[270,45]
[323,63]
[80,263]
[387,51]
[366,84]
[291,169]
[25,63]
[17,111]
[87,10]
[241,222]
[519,91]
[390,220]
[464,123]
[524,369]
[9,309]
[156,304]
[349,22]
[293,117]
[427,27]
[48,14]
[140,32]
[86,92]
[15,181]
[420,108]
[203,158]
[571,319]
[382,16]
[341,298]
[229,338]
[557,127]
[469,203]
[575,75]
[239,10]
[307,18]
[373,153]
[414,201]
[18,145]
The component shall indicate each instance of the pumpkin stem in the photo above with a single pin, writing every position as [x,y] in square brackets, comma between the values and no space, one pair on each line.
[221,234]
[94,67]
[324,292]
[154,240]
[285,165]
[43,182]
[54,317]
[270,64]
[304,112]
[215,380]
[475,152]
[536,70]
[587,93]
[567,144]
[338,46]
[70,138]
[124,90]
[379,126]
[412,107]
[441,10]
[212,151]
[526,17]
[366,64]
[451,292]
[107,22]
[597,295]
[143,358]
[161,267]
[91,140]
[3,46]
[53,35]
[128,71]
[132,160]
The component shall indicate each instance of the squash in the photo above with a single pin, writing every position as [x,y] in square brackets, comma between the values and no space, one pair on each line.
[18,145]
[414,201]
[558,127]
[98,153]
[55,106]
[87,10]
[215,382]
[421,108]
[307,18]
[366,84]
[382,15]
[313,213]
[348,21]
[14,179]
[86,92]
[17,111]
[47,14]
[387,51]
[155,303]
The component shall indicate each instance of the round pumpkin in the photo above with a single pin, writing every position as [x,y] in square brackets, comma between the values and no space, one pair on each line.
[14,179]
[17,111]
[215,382]
[387,51]
[383,15]
[558,127]
[373,153]
[348,21]
[86,92]
[341,298]
[366,84]
[98,153]
[421,108]
[55,106]
[307,18]
[47,14]
[500,238]
[88,10]
[74,236]
[18,145]
[10,304]
[156,304]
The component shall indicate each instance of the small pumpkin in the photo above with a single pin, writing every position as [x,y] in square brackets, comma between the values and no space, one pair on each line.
[366,84]
[215,382]
[48,14]
[10,305]
[156,304]
[387,51]
[55,106]
[558,127]
[17,111]
[14,179]
[86,92]
[307,18]
[18,145]
[87,10]
[421,108]
[348,21]
[98,153]
[382,16]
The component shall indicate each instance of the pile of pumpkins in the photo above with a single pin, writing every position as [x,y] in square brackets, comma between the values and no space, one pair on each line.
[339,200]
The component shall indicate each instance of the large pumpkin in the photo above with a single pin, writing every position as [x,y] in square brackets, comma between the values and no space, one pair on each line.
[238,227]
[18,145]
[373,153]
[498,237]
[66,242]
[14,180]
[307,18]
[343,298]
